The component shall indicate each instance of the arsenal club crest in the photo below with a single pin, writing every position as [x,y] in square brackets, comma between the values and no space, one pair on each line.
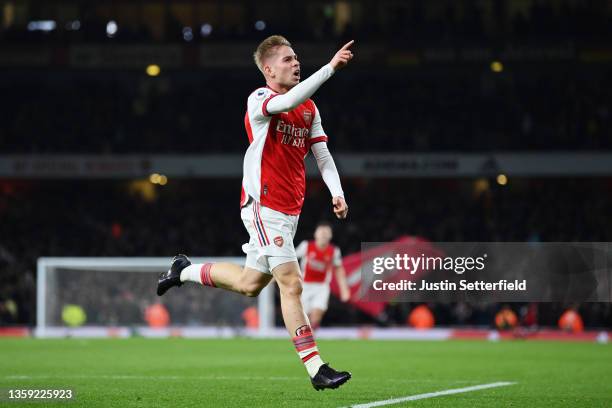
[307,116]
[279,241]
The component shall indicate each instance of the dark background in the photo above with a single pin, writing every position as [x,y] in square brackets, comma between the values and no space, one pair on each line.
[424,79]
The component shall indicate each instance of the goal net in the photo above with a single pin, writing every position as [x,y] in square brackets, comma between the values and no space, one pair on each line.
[116,297]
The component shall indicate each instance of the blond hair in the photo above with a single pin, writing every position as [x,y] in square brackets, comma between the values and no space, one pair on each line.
[267,48]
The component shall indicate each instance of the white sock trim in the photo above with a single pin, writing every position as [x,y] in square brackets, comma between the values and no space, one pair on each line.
[313,365]
[192,273]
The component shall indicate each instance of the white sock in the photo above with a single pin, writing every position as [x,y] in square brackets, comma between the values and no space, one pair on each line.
[313,364]
[192,273]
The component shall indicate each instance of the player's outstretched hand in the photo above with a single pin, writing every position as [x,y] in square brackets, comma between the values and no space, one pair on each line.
[342,57]
[340,207]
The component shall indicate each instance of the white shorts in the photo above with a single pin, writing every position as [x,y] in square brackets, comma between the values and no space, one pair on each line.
[271,237]
[315,296]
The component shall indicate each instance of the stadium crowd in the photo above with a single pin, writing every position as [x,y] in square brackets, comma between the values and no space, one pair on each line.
[439,109]
[105,218]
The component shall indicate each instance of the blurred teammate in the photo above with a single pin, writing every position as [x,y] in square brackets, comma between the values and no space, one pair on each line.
[283,124]
[318,258]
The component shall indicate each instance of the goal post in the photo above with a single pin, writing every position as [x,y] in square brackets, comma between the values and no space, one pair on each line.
[113,294]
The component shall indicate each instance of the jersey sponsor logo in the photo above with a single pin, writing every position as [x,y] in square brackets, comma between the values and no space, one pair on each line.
[260,94]
[293,141]
[307,116]
[292,135]
[317,265]
[279,241]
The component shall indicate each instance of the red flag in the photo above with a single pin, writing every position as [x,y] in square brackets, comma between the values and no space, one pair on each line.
[412,246]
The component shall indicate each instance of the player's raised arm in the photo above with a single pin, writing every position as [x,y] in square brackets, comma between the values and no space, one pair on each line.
[305,89]
[343,56]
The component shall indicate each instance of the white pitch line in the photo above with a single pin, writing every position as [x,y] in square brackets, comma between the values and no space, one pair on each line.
[432,395]
[147,377]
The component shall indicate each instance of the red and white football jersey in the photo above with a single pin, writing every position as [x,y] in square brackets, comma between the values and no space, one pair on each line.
[274,173]
[316,263]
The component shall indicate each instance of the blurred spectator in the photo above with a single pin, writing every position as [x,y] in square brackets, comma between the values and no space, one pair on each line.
[76,218]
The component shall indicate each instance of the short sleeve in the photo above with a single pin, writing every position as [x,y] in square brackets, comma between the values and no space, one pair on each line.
[257,102]
[337,257]
[300,251]
[317,134]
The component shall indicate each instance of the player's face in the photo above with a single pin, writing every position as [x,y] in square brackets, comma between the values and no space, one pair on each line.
[285,67]
[323,234]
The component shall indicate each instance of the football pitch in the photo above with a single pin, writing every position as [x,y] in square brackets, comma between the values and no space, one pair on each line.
[177,372]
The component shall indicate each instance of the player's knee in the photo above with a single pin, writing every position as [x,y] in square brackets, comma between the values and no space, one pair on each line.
[292,288]
[252,289]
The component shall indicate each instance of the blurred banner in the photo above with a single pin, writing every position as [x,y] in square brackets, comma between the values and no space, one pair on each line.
[355,165]
[126,56]
[421,271]
[238,54]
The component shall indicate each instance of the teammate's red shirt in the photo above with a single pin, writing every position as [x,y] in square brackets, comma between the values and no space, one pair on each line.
[274,170]
[316,263]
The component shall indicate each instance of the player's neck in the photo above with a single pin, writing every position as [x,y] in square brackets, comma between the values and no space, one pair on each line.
[278,88]
[321,245]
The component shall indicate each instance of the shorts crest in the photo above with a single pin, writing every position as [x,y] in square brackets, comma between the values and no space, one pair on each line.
[279,241]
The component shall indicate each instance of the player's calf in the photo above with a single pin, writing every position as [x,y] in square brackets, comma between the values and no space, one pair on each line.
[245,281]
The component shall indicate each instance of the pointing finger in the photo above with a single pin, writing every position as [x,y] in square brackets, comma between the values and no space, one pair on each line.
[347,45]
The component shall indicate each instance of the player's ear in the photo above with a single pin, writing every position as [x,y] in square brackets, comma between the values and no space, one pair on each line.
[268,71]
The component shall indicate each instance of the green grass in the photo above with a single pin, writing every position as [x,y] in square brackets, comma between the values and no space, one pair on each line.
[267,373]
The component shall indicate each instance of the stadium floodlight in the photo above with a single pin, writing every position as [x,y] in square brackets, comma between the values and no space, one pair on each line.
[115,294]
[111,28]
[206,30]
[187,34]
[260,25]
[497,66]
[42,25]
[73,25]
[153,70]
